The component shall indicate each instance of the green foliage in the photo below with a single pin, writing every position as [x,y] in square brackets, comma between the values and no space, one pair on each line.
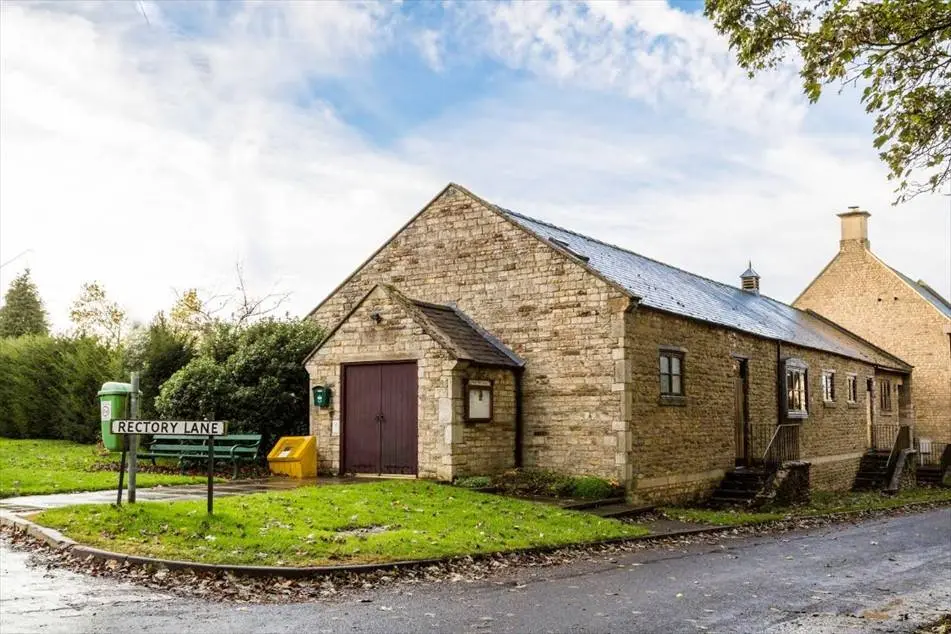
[474,482]
[821,503]
[899,51]
[156,352]
[251,377]
[48,386]
[36,467]
[22,312]
[353,523]
[590,488]
[550,483]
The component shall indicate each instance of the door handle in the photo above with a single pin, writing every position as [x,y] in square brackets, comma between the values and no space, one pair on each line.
[379,418]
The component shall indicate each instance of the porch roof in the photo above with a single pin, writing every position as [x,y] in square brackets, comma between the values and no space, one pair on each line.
[467,340]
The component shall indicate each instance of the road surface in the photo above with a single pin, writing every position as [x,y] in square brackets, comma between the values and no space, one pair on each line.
[886,575]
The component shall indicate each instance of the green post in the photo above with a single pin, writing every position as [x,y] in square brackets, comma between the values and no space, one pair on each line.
[113,405]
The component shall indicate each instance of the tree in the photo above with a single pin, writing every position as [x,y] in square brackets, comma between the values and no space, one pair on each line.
[899,51]
[156,352]
[22,312]
[95,315]
[195,310]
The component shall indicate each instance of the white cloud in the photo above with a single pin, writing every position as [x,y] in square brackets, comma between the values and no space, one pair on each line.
[153,156]
[645,50]
[429,42]
[138,168]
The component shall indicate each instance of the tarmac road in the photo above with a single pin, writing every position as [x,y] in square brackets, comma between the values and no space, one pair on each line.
[886,575]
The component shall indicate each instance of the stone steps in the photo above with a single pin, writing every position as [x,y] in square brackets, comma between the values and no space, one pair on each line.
[929,475]
[615,511]
[739,487]
[873,469]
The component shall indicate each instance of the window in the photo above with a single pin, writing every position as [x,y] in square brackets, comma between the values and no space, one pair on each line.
[479,401]
[797,396]
[564,245]
[885,395]
[671,373]
[853,388]
[828,386]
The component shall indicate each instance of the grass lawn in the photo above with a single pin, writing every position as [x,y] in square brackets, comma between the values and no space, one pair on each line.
[30,467]
[822,503]
[333,524]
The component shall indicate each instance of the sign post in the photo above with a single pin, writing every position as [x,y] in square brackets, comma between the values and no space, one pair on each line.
[133,440]
[121,473]
[211,474]
[208,428]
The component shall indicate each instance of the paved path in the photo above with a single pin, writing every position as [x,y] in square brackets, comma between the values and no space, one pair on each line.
[843,578]
[28,503]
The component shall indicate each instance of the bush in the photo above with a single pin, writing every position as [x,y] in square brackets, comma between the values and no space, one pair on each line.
[550,483]
[474,482]
[591,488]
[48,386]
[250,377]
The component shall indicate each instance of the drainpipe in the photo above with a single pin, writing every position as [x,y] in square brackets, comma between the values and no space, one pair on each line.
[518,372]
[780,380]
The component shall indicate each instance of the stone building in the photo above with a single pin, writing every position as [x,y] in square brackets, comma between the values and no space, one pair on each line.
[478,339]
[910,319]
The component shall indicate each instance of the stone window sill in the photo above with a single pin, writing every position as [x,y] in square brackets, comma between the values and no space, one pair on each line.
[828,403]
[672,401]
[797,415]
[853,405]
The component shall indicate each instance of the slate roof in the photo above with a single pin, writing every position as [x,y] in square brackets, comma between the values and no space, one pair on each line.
[667,288]
[468,340]
[928,293]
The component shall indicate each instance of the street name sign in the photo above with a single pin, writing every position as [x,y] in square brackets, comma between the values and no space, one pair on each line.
[171,427]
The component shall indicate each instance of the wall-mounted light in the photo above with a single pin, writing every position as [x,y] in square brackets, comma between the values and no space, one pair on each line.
[376,317]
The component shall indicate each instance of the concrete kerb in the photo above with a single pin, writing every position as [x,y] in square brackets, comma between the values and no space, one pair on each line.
[56,539]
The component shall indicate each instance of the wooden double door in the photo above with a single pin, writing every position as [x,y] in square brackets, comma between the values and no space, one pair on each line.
[380,425]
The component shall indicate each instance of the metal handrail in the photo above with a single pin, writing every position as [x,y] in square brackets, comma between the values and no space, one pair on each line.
[884,435]
[780,430]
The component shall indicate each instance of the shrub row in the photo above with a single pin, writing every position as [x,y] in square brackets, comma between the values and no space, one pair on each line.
[48,386]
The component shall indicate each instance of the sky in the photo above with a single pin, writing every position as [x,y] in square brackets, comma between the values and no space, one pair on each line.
[152,146]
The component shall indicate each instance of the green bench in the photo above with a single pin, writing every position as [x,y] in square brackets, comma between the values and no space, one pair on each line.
[194,449]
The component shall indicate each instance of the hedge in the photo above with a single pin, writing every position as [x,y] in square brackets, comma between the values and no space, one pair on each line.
[48,386]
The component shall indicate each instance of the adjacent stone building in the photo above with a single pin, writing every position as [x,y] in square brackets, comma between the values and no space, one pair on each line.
[478,339]
[910,319]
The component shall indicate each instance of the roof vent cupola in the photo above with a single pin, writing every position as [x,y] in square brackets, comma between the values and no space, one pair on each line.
[750,280]
[854,228]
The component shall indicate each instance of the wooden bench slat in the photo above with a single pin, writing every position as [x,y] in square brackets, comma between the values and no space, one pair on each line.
[235,447]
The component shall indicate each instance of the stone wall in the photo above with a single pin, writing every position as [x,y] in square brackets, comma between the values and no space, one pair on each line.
[859,292]
[837,474]
[396,337]
[485,448]
[683,447]
[541,303]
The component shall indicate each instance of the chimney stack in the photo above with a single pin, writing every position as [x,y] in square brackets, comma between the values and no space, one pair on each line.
[854,228]
[749,281]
